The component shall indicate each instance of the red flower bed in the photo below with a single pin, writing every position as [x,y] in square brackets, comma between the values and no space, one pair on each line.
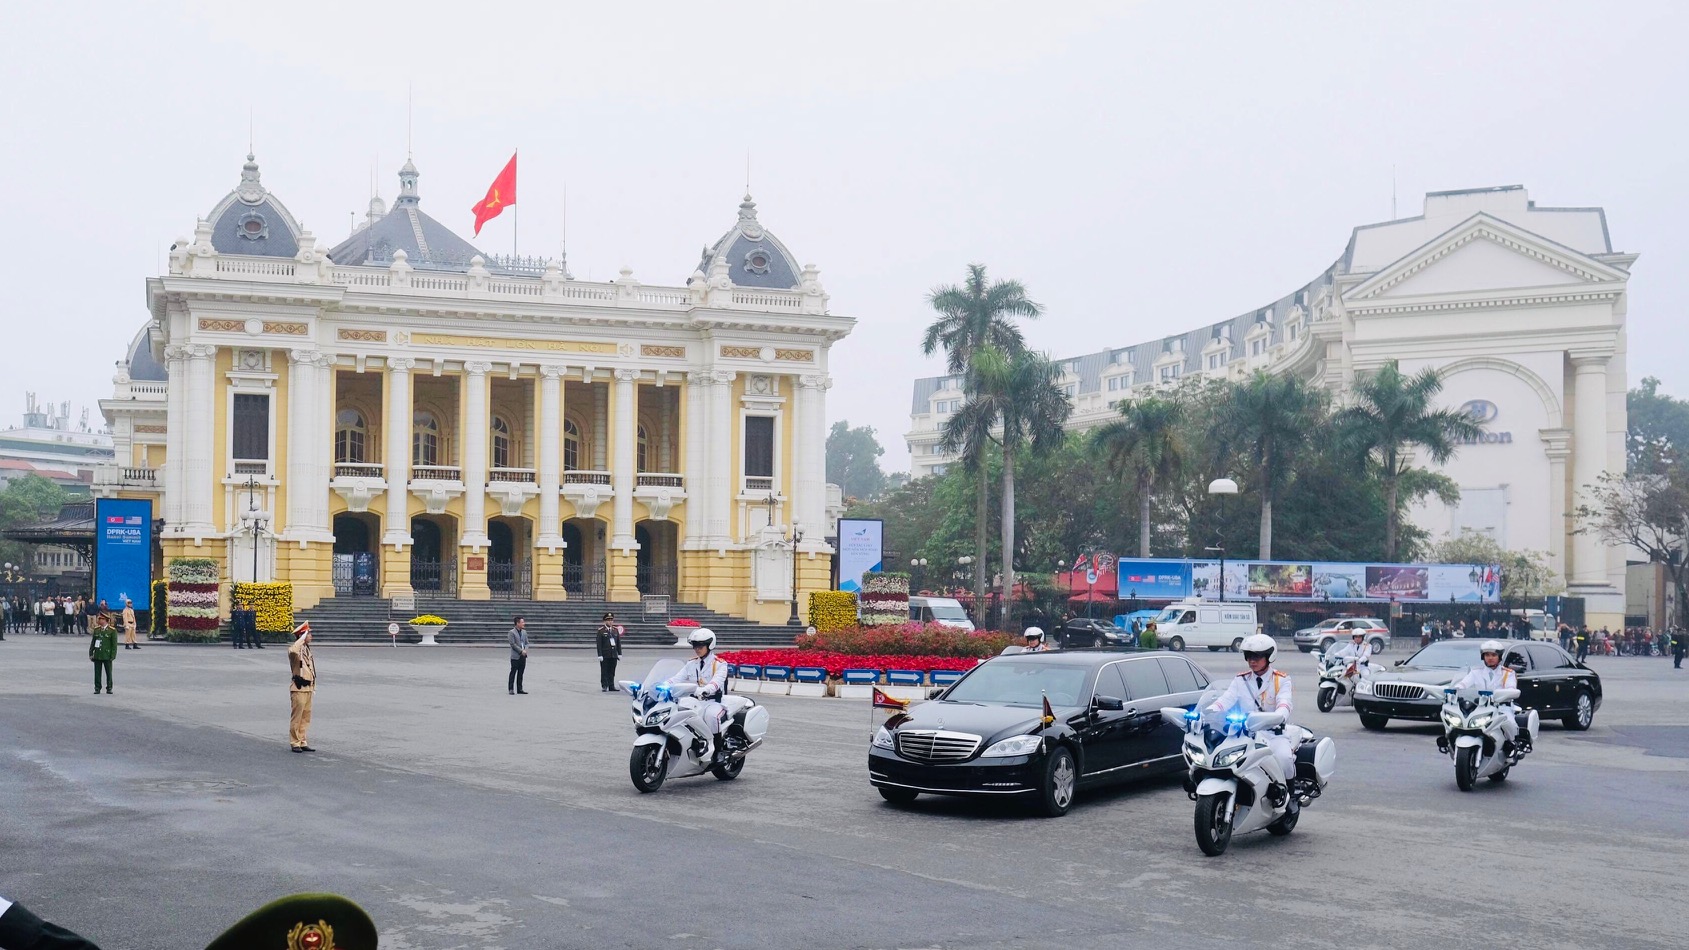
[682,622]
[836,663]
[906,639]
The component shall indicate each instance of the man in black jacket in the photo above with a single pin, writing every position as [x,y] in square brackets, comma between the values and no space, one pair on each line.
[22,930]
[610,635]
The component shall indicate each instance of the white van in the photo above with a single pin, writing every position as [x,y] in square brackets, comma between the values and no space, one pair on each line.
[1203,623]
[942,610]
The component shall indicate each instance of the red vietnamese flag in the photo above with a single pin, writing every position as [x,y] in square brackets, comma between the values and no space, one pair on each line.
[501,194]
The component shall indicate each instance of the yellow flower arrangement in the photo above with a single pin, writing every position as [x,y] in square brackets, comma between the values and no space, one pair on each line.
[831,610]
[428,620]
[273,603]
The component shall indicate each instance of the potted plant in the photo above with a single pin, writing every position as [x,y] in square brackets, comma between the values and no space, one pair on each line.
[682,628]
[428,625]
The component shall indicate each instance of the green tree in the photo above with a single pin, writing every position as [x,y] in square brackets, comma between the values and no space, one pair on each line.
[1272,418]
[1017,394]
[1659,427]
[1147,446]
[1389,417]
[980,312]
[25,501]
[1649,513]
[1525,575]
[853,461]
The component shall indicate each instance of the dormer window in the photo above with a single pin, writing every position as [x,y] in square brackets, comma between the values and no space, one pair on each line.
[757,260]
[1258,346]
[252,226]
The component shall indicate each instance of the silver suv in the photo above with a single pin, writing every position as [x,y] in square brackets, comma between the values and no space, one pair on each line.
[1323,635]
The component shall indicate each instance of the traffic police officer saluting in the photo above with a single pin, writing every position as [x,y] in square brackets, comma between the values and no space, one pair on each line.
[304,687]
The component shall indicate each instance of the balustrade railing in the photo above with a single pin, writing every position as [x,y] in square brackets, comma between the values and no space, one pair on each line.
[357,470]
[659,480]
[755,484]
[520,475]
[251,467]
[436,473]
[581,476]
[142,477]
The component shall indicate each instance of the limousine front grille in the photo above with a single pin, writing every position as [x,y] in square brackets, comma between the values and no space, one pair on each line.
[1398,691]
[936,745]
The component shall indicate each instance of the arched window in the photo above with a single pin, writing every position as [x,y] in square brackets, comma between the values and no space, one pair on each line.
[501,442]
[425,439]
[571,446]
[642,453]
[350,434]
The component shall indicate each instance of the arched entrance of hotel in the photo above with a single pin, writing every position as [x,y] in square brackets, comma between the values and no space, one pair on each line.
[509,568]
[355,569]
[658,557]
[434,554]
[583,558]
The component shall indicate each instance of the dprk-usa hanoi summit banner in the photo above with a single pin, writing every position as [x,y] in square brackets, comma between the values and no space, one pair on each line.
[123,552]
[860,550]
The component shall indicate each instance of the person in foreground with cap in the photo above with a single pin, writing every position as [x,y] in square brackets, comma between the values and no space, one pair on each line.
[299,922]
[22,930]
[609,651]
[303,688]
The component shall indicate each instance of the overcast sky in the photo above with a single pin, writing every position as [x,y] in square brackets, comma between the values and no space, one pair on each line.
[1142,168]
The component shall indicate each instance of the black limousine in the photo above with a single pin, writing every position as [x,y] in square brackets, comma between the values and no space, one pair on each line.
[986,734]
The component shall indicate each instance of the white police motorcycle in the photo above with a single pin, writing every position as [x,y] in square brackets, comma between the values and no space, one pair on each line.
[1233,770]
[1337,687]
[1473,736]
[672,740]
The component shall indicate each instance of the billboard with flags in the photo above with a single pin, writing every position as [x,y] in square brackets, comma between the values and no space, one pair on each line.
[122,551]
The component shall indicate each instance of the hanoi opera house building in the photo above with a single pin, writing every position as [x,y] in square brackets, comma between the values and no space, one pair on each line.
[405,414]
[1521,309]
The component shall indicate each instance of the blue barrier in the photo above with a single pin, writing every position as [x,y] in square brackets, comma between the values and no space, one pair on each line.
[777,674]
[945,677]
[810,674]
[904,677]
[750,671]
[861,677]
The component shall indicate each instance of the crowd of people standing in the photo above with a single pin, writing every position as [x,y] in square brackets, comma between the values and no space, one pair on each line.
[50,615]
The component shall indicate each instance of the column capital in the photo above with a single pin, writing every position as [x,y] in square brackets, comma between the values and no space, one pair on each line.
[723,377]
[552,370]
[816,381]
[627,375]
[176,351]
[401,364]
[200,351]
[476,368]
[1589,360]
[304,357]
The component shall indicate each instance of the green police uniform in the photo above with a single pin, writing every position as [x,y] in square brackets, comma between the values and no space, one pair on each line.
[302,922]
[102,649]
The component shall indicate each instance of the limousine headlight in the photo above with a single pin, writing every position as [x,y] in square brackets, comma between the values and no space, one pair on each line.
[1014,745]
[882,739]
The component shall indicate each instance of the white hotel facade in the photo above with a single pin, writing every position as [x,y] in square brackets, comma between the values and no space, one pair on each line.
[1521,309]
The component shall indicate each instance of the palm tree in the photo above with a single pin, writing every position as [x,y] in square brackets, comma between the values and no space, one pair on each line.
[978,313]
[1144,443]
[1391,415]
[1271,418]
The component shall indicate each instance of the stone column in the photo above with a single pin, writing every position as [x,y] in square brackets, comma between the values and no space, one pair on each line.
[548,552]
[195,473]
[809,456]
[600,423]
[397,531]
[1556,446]
[1589,460]
[475,423]
[721,448]
[175,435]
[301,443]
[694,438]
[624,410]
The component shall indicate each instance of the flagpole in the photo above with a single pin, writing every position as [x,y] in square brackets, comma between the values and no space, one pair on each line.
[516,214]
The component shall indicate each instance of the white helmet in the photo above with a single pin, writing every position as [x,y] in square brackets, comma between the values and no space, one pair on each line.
[1033,633]
[704,637]
[1491,646]
[1358,633]
[1259,643]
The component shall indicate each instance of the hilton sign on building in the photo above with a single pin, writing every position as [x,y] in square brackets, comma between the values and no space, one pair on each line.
[1521,309]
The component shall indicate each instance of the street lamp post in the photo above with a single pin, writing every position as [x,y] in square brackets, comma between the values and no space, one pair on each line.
[255,519]
[965,562]
[797,536]
[917,567]
[1221,487]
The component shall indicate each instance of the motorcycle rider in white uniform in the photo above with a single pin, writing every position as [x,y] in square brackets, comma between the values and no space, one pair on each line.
[1493,676]
[1263,689]
[1034,637]
[709,673]
[1357,651]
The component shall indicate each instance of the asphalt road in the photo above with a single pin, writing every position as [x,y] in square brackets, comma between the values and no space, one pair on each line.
[460,816]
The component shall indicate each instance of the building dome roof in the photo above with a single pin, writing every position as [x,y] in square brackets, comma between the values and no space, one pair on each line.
[251,221]
[754,257]
[139,359]
[425,241]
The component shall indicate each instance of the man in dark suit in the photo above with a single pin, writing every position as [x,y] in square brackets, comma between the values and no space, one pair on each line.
[610,635]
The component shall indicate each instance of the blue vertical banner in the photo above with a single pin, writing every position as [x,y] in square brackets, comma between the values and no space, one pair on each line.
[861,549]
[123,552]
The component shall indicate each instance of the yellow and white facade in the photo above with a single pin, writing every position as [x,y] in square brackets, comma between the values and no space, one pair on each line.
[401,413]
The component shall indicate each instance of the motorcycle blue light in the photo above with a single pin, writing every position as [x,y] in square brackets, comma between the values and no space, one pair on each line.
[1192,715]
[1236,717]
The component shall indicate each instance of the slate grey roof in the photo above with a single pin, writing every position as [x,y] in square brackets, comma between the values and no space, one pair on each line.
[141,364]
[754,257]
[426,242]
[251,221]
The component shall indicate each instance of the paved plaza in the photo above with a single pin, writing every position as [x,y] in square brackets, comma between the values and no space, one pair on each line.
[460,816]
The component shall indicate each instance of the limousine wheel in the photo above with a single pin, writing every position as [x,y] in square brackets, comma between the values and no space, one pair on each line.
[1176,644]
[1375,723]
[1583,713]
[898,796]
[1061,779]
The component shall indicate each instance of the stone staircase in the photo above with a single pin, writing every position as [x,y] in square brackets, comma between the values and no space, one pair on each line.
[570,623]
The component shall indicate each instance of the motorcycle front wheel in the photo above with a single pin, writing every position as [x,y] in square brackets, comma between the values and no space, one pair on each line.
[1286,824]
[1466,767]
[648,766]
[1327,699]
[1213,829]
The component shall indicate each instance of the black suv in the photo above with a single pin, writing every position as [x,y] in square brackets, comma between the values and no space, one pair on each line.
[1085,632]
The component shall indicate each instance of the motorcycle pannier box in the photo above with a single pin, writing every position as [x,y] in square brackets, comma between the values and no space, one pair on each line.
[1317,761]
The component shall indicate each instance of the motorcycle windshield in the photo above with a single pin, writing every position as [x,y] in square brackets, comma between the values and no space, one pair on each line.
[661,672]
